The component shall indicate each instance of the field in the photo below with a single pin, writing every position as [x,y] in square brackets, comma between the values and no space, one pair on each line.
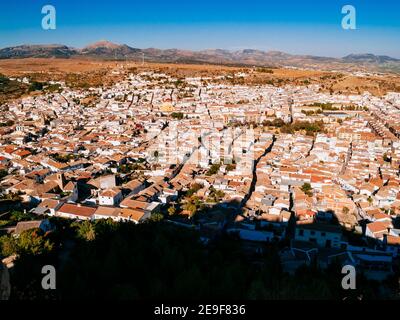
[83,73]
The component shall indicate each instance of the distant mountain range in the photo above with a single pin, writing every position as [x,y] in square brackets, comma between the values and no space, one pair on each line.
[108,50]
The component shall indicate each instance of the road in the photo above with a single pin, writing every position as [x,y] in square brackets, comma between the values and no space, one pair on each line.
[254,179]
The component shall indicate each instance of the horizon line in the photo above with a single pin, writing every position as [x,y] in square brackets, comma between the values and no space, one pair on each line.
[198,50]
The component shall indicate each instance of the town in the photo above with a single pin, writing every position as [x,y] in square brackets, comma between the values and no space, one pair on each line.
[314,170]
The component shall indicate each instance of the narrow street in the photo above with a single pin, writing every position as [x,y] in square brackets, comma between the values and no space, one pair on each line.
[254,180]
[348,157]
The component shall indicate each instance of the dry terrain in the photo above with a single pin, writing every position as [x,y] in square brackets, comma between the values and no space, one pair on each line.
[91,72]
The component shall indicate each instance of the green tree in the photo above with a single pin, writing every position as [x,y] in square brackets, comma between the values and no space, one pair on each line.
[35,86]
[386,158]
[213,169]
[8,246]
[3,173]
[156,217]
[177,115]
[194,188]
[306,188]
[33,242]
[17,216]
[85,230]
[171,210]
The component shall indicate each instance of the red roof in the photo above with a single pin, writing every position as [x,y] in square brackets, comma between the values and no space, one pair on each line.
[77,210]
[22,153]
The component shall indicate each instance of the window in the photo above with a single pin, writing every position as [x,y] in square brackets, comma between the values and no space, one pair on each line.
[301,232]
[312,233]
[323,234]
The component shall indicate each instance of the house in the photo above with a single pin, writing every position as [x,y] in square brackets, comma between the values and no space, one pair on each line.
[299,254]
[71,188]
[382,217]
[150,207]
[107,213]
[323,235]
[367,189]
[47,206]
[110,197]
[20,154]
[282,203]
[268,200]
[38,175]
[324,215]
[392,244]
[134,215]
[378,229]
[374,265]
[168,195]
[305,214]
[134,186]
[384,197]
[22,226]
[76,211]
[3,160]
[107,182]
[274,211]
[132,203]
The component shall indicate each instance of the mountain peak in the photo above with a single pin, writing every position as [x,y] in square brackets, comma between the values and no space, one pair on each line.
[103,44]
[368,57]
[104,49]
[107,49]
[38,51]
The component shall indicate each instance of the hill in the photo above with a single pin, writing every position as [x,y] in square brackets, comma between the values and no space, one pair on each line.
[248,57]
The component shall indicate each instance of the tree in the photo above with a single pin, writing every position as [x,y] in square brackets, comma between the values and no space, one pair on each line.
[33,242]
[194,188]
[190,206]
[17,216]
[386,158]
[306,188]
[193,204]
[127,249]
[171,210]
[177,115]
[3,173]
[213,169]
[86,230]
[8,246]
[35,86]
[156,217]
[12,196]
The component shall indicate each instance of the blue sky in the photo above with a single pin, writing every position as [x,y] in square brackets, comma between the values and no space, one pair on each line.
[301,27]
